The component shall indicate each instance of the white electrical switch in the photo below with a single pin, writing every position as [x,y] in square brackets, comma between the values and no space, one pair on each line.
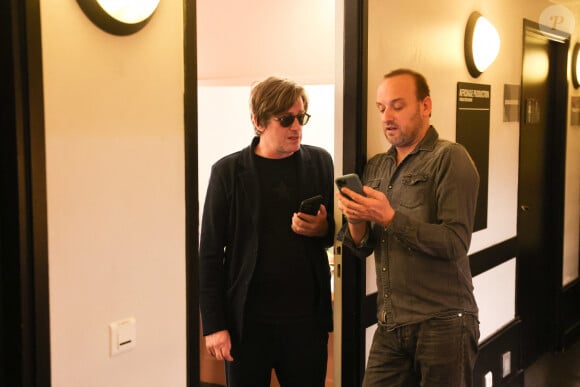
[506,363]
[123,335]
[489,379]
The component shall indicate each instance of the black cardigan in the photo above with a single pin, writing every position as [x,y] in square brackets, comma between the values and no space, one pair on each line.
[229,235]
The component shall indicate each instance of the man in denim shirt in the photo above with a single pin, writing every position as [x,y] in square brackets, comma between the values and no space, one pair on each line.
[417,217]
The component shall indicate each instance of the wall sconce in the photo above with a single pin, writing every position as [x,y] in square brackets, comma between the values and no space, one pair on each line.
[576,66]
[119,17]
[481,44]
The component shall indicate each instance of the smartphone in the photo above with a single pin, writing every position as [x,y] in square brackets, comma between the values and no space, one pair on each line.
[311,205]
[351,181]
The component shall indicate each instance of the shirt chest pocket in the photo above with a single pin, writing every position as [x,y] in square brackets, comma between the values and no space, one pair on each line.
[414,189]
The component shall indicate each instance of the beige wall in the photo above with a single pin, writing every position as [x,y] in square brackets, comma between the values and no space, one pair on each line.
[115,176]
[572,193]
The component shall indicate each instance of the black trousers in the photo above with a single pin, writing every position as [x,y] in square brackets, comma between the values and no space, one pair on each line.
[297,352]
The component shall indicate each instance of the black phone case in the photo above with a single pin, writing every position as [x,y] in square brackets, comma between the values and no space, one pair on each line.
[351,181]
[311,205]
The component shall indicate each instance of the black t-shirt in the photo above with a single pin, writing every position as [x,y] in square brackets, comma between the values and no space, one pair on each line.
[283,287]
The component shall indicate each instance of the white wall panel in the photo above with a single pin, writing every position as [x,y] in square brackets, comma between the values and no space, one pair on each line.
[115,191]
[495,292]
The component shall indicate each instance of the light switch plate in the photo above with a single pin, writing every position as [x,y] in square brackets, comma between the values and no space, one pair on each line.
[123,335]
[489,379]
[506,363]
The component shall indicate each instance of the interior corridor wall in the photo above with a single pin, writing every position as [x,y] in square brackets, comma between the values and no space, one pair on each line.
[571,269]
[115,191]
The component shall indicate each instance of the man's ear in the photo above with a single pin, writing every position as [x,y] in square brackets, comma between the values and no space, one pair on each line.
[257,126]
[428,105]
[253,118]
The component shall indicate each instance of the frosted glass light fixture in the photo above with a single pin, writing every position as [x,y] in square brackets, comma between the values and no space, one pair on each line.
[119,17]
[576,66]
[481,44]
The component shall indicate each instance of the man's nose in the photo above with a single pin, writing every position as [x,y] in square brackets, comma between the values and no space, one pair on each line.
[387,114]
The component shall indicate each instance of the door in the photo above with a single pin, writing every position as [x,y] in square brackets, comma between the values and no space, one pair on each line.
[541,189]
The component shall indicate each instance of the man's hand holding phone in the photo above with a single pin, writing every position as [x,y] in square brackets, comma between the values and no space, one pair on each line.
[311,205]
[360,204]
[350,181]
[310,220]
[350,191]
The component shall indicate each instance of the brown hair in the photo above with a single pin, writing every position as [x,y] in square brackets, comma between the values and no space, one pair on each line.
[273,96]
[420,81]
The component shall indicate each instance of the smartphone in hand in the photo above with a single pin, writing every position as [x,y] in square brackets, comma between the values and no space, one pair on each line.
[351,181]
[311,205]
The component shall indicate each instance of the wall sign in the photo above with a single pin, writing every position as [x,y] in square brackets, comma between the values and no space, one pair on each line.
[472,131]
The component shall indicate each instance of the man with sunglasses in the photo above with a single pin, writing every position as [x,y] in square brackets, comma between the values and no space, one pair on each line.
[416,215]
[264,274]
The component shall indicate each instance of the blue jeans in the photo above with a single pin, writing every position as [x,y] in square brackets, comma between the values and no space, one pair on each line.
[437,352]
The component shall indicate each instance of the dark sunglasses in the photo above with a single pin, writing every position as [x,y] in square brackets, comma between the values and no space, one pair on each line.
[288,120]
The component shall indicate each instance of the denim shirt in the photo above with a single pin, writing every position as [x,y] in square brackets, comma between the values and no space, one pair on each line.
[422,267]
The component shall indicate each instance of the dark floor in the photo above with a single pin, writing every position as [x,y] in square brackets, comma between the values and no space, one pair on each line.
[560,369]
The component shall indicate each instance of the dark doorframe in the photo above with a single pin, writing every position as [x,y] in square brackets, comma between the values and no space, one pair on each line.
[191,191]
[358,309]
[24,300]
[541,186]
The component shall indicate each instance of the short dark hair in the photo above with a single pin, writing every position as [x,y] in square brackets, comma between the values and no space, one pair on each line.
[420,81]
[273,96]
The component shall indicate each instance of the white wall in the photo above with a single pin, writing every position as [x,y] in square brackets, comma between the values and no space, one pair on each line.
[115,177]
[240,42]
